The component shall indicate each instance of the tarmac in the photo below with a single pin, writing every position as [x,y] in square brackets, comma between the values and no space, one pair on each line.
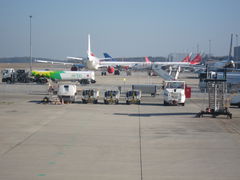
[115,142]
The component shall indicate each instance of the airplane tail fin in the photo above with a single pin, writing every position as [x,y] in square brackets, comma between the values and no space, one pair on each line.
[197,59]
[89,53]
[187,58]
[147,60]
[106,55]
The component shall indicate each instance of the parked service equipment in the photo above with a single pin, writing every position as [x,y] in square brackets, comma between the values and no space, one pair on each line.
[111,97]
[217,102]
[174,93]
[11,76]
[146,88]
[90,95]
[67,92]
[8,75]
[133,96]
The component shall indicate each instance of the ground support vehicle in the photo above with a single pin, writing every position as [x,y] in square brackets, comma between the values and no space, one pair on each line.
[90,95]
[61,93]
[111,96]
[174,93]
[133,96]
[83,77]
[67,93]
[11,76]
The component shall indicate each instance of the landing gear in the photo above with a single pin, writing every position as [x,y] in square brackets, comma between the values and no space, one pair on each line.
[117,72]
[104,73]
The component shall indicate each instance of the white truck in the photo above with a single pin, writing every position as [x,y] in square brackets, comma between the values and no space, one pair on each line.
[8,75]
[83,77]
[174,93]
[67,92]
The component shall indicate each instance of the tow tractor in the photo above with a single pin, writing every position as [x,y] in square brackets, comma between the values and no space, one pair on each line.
[133,96]
[111,96]
[174,93]
[90,95]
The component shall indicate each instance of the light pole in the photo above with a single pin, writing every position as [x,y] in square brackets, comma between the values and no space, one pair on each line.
[197,48]
[30,43]
[210,48]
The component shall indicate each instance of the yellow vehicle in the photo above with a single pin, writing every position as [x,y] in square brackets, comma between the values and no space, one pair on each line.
[133,96]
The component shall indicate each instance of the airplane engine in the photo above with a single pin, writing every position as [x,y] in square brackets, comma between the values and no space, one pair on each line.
[110,69]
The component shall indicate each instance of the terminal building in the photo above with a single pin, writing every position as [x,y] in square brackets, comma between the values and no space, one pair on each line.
[237,53]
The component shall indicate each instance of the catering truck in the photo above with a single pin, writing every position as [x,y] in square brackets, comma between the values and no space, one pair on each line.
[174,93]
[67,92]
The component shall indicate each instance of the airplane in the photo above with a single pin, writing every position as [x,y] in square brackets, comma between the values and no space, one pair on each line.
[135,65]
[94,63]
[106,55]
[187,58]
[196,60]
[224,64]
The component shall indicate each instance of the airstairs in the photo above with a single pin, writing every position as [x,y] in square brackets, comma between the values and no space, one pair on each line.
[216,99]
[172,75]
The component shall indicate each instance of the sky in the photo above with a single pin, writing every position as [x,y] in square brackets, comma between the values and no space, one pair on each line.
[123,28]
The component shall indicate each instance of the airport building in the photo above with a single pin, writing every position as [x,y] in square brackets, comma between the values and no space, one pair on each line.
[237,53]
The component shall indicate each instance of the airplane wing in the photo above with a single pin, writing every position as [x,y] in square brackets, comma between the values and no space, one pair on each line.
[120,63]
[75,58]
[171,63]
[53,62]
[125,63]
